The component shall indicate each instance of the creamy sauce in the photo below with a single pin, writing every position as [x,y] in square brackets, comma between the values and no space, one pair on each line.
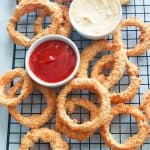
[95,16]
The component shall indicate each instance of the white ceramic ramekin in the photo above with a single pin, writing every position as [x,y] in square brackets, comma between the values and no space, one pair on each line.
[48,38]
[95,36]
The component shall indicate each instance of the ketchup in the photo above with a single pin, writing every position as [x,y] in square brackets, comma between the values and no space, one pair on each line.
[53,61]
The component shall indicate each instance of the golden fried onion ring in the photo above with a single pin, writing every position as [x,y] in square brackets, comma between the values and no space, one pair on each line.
[90,52]
[34,121]
[144,42]
[65,27]
[70,106]
[133,142]
[103,97]
[132,71]
[47,135]
[145,104]
[25,7]
[7,78]
[131,90]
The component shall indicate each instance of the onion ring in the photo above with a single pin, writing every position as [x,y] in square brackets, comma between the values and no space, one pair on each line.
[65,27]
[145,105]
[132,71]
[131,90]
[144,43]
[35,121]
[90,52]
[31,6]
[47,135]
[103,97]
[7,78]
[70,106]
[133,142]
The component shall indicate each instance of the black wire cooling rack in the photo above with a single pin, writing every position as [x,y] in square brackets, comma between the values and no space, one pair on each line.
[122,126]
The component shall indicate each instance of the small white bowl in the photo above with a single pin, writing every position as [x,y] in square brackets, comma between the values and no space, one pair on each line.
[95,36]
[48,38]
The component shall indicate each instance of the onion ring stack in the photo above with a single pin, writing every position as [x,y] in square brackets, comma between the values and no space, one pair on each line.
[97,82]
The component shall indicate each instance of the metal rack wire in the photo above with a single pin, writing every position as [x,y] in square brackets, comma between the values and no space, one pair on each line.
[122,126]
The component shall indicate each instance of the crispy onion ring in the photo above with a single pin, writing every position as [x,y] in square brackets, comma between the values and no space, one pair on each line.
[144,43]
[103,97]
[70,106]
[34,121]
[131,90]
[124,2]
[145,105]
[133,142]
[65,27]
[90,52]
[132,71]
[47,135]
[25,7]
[6,79]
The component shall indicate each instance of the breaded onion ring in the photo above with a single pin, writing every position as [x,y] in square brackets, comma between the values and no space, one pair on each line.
[65,27]
[26,7]
[103,111]
[124,2]
[132,71]
[90,52]
[133,142]
[47,135]
[144,43]
[7,78]
[145,104]
[131,90]
[35,121]
[70,106]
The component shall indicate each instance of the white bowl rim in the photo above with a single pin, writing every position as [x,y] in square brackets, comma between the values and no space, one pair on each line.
[48,38]
[96,36]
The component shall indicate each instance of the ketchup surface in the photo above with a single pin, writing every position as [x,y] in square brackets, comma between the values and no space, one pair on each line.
[53,61]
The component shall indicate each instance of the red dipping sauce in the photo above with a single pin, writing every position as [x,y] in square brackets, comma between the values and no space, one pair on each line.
[53,61]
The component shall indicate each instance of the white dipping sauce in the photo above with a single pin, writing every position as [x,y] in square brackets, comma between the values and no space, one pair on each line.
[95,17]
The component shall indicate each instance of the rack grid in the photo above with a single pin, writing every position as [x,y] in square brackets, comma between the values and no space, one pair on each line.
[122,126]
